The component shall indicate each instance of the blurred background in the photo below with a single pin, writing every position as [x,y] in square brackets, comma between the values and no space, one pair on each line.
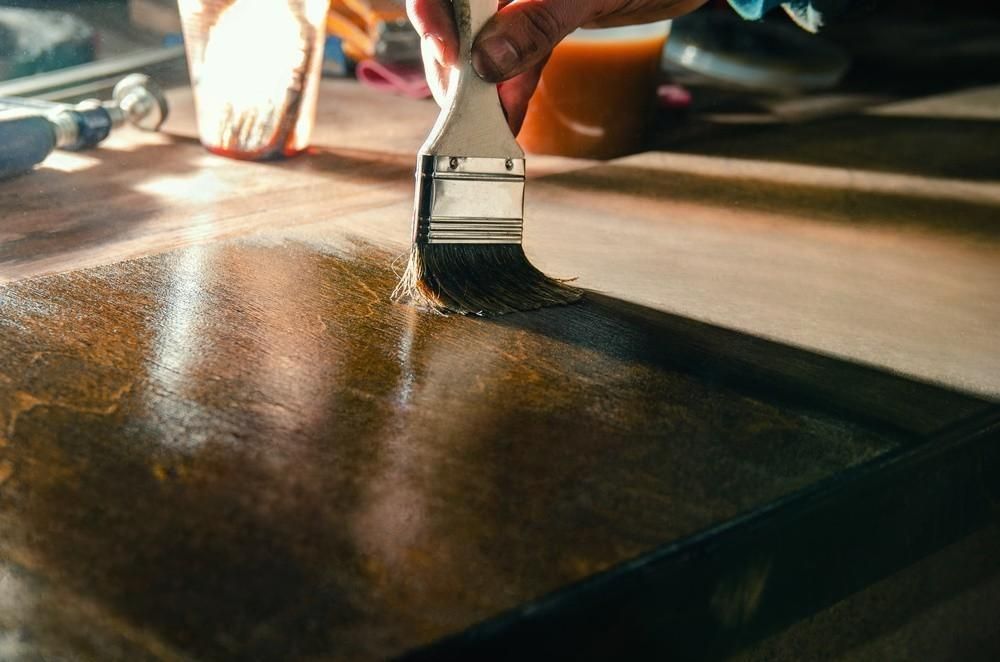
[717,69]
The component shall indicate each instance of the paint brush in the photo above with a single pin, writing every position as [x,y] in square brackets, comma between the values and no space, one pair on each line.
[468,215]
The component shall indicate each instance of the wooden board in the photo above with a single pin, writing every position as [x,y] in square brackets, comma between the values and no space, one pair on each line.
[240,449]
[234,446]
[895,264]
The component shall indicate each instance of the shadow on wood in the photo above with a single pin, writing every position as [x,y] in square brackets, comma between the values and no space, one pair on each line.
[244,450]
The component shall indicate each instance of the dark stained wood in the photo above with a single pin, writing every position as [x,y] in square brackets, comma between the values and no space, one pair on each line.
[240,450]
[913,614]
[237,450]
[708,596]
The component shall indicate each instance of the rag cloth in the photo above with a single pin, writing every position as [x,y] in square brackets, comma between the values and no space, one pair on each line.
[810,14]
[405,79]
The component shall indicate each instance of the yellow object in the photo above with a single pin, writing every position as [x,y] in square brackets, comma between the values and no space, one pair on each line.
[376,29]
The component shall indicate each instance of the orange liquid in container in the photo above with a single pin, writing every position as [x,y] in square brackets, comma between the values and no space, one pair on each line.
[595,98]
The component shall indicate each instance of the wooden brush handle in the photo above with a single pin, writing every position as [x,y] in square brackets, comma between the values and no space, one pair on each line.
[472,122]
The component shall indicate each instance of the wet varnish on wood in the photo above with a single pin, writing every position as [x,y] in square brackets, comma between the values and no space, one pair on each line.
[232,446]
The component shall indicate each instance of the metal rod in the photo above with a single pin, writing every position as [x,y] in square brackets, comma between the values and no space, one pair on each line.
[70,76]
[21,102]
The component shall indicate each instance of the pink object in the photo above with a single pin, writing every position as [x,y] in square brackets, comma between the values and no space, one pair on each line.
[673,97]
[405,79]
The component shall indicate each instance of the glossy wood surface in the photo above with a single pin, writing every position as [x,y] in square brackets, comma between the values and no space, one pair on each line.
[232,446]
[873,238]
[238,449]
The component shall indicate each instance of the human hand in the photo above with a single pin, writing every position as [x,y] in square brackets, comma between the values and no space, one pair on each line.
[514,46]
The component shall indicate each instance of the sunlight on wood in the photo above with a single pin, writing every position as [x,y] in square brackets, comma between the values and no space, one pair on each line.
[980,103]
[70,161]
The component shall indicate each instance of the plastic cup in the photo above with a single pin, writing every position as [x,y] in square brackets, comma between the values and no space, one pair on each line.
[255,71]
[597,93]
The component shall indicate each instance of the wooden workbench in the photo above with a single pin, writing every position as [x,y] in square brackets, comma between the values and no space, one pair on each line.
[219,440]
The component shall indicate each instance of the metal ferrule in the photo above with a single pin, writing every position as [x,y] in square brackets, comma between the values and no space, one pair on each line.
[65,127]
[469,200]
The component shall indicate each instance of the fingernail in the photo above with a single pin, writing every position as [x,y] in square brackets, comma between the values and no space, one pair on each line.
[494,58]
[437,48]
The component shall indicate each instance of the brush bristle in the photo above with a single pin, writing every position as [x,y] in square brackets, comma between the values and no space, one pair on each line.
[473,279]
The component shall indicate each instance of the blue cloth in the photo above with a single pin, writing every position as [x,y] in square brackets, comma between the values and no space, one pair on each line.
[753,9]
[802,11]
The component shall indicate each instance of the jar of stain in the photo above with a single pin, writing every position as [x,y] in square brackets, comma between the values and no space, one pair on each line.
[597,94]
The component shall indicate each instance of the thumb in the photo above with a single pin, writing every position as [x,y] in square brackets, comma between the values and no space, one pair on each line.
[523,34]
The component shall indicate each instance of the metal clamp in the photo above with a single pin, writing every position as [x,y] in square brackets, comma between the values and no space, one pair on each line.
[468,200]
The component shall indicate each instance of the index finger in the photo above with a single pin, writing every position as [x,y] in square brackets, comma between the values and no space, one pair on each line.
[434,22]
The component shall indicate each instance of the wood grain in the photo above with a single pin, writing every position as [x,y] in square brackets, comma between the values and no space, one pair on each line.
[228,449]
[875,241]
[239,449]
